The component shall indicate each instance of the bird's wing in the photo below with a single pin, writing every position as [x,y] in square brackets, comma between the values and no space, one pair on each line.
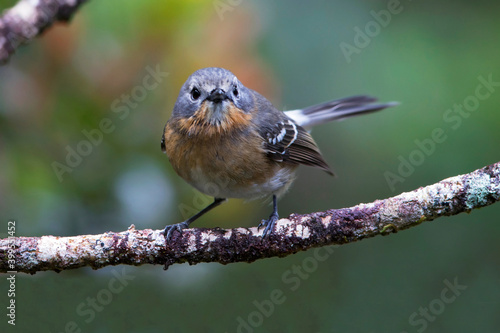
[288,142]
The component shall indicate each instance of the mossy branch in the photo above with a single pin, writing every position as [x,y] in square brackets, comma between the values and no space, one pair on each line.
[296,233]
[28,19]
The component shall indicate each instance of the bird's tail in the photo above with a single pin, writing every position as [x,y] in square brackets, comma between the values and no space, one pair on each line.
[336,110]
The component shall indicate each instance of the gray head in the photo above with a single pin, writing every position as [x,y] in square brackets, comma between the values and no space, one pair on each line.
[212,93]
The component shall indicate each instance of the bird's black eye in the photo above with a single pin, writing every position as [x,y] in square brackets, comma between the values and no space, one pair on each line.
[195,93]
[235,91]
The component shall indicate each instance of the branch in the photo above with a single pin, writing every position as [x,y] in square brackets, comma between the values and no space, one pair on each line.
[29,18]
[296,233]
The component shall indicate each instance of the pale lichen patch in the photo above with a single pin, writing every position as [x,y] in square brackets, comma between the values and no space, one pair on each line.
[208,237]
[302,231]
[50,248]
[478,190]
[191,243]
[26,9]
[326,220]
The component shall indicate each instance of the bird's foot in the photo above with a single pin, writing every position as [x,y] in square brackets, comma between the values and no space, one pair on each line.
[268,225]
[169,229]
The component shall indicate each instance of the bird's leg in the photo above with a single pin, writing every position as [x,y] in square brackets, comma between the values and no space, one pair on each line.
[183,225]
[269,223]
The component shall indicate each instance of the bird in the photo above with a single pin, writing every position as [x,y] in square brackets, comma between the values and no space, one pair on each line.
[229,141]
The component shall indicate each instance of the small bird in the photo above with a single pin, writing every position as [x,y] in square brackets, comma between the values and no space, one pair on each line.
[228,141]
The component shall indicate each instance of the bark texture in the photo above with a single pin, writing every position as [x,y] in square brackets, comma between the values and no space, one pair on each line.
[29,18]
[296,233]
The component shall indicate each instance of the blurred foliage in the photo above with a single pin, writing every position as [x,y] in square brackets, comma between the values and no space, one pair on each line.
[428,57]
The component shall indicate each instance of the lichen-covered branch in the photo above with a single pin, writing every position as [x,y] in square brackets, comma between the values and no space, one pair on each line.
[295,233]
[28,18]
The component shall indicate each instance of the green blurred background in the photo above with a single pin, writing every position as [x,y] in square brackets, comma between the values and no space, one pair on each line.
[428,57]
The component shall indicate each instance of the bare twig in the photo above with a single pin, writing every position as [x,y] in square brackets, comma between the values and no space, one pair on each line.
[296,233]
[28,18]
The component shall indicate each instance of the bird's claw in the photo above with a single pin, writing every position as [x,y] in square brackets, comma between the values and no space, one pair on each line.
[169,229]
[268,225]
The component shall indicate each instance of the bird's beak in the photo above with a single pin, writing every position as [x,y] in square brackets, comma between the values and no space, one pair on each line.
[217,108]
[217,95]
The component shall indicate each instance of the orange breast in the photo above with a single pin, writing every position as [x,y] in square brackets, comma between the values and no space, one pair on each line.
[228,164]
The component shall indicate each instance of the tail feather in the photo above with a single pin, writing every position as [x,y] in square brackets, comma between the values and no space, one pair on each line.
[336,110]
